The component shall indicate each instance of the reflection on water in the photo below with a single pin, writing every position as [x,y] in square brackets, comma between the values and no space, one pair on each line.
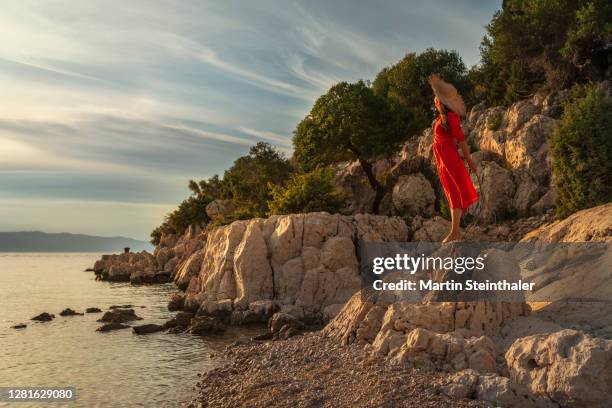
[108,369]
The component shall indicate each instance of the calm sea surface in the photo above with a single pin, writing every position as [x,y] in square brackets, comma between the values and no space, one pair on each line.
[115,369]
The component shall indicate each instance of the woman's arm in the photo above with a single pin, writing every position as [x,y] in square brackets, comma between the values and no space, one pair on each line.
[468,156]
[455,126]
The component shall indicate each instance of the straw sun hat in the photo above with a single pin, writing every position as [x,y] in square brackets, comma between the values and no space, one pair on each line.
[447,94]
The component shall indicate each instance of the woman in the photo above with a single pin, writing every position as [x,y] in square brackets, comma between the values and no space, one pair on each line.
[458,188]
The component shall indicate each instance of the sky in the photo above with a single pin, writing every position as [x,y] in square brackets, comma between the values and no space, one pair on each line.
[109,107]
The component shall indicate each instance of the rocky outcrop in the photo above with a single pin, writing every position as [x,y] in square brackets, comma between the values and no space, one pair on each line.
[304,264]
[387,326]
[568,367]
[494,389]
[172,260]
[138,267]
[446,351]
[414,195]
[590,225]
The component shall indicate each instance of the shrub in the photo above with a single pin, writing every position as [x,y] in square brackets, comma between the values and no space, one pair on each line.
[495,122]
[308,192]
[581,150]
[247,182]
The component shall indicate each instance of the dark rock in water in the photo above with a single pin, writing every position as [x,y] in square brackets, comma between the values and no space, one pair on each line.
[93,310]
[113,307]
[177,302]
[19,326]
[44,317]
[181,320]
[112,326]
[119,316]
[69,312]
[147,328]
[203,326]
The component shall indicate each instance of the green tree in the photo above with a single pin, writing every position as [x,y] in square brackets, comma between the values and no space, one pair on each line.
[406,88]
[581,150]
[247,182]
[553,43]
[307,192]
[349,122]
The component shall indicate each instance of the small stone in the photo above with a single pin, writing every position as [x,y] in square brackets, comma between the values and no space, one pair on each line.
[69,312]
[19,326]
[44,317]
[93,310]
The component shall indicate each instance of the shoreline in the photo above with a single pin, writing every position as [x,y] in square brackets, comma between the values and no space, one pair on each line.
[311,370]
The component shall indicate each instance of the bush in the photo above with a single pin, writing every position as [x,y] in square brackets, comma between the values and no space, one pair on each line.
[495,122]
[581,150]
[308,192]
[247,182]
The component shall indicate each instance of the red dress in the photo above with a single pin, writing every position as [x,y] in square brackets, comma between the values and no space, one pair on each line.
[458,186]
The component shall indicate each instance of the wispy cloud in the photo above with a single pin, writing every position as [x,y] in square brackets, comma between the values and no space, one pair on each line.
[123,101]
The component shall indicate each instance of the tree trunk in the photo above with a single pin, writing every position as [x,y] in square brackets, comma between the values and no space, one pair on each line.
[378,189]
[367,169]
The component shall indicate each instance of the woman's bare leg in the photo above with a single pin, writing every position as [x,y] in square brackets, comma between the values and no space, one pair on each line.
[455,232]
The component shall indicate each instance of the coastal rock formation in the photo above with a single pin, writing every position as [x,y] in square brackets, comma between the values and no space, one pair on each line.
[494,389]
[386,325]
[171,260]
[304,264]
[120,268]
[448,351]
[590,225]
[567,366]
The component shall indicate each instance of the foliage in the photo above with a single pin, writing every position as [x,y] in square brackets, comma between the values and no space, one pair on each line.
[581,150]
[495,122]
[349,122]
[191,211]
[247,182]
[307,192]
[406,88]
[542,42]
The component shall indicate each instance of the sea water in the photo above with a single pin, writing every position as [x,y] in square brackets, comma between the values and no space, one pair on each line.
[113,369]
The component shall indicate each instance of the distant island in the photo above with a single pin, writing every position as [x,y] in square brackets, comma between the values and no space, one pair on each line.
[37,241]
